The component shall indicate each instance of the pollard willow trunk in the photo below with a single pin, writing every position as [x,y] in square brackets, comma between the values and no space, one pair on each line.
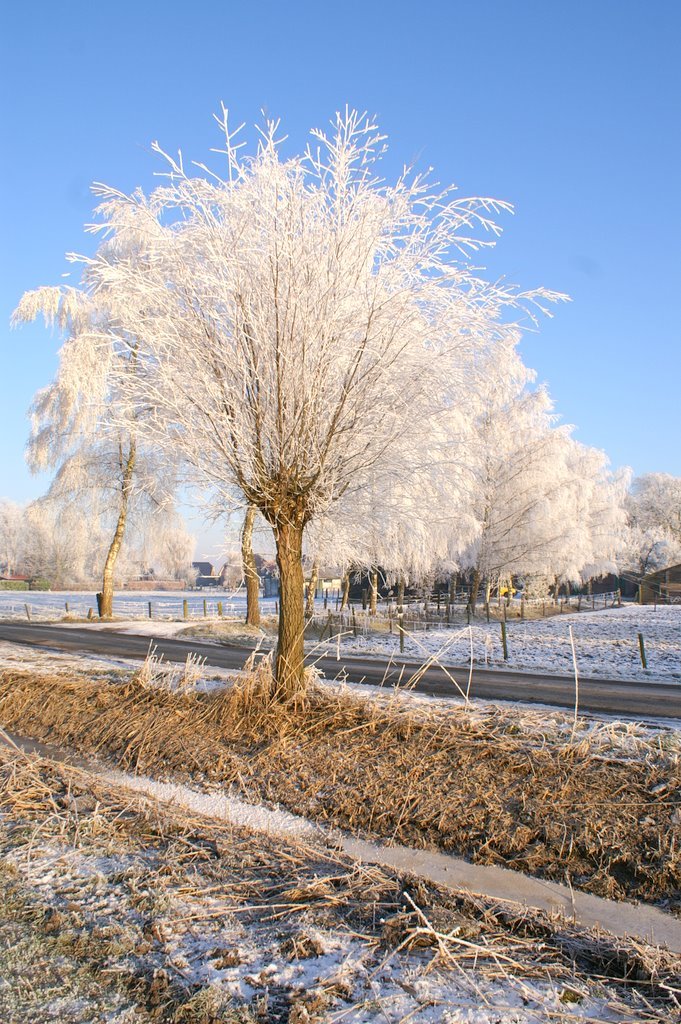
[290,658]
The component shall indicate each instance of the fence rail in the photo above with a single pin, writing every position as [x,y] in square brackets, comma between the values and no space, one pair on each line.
[417,613]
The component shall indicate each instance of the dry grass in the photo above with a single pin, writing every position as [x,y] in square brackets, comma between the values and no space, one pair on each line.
[480,787]
[137,878]
[234,631]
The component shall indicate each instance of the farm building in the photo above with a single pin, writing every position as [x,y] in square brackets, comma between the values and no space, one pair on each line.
[328,582]
[205,574]
[662,587]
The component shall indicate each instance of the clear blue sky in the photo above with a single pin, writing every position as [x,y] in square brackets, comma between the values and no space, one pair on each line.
[570,109]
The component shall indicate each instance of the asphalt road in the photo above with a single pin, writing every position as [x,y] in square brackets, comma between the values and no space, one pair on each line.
[627,699]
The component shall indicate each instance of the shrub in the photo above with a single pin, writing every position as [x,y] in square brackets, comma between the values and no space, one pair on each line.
[40,583]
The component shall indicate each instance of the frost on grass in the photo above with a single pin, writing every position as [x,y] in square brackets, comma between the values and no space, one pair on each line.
[185,920]
[496,786]
[157,672]
[606,643]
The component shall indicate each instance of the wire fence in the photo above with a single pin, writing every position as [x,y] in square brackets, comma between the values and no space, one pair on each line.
[611,646]
[427,615]
[162,606]
[514,634]
[417,614]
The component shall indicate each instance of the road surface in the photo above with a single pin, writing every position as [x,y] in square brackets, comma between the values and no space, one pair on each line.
[624,698]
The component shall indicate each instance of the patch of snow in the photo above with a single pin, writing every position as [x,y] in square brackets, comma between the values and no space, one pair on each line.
[606,643]
[619,918]
[166,605]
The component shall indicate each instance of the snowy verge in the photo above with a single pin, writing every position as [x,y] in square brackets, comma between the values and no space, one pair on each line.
[626,920]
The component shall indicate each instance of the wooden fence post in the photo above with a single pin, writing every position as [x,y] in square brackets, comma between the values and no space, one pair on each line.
[28,612]
[642,651]
[205,608]
[400,626]
[220,608]
[150,615]
[504,642]
[185,608]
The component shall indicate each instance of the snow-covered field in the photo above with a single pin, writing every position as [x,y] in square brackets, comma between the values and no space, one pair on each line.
[606,643]
[127,604]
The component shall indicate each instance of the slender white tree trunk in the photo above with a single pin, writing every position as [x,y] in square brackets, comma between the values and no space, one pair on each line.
[373,592]
[250,570]
[311,589]
[105,600]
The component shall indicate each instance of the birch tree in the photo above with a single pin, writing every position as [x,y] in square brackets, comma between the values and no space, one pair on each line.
[301,322]
[12,536]
[82,425]
[654,522]
[517,472]
[250,569]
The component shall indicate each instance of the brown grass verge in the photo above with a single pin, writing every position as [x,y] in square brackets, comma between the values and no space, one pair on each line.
[157,864]
[480,789]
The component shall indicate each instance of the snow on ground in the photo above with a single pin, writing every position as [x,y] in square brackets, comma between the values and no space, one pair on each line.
[138,627]
[200,939]
[35,659]
[51,605]
[45,662]
[272,924]
[606,643]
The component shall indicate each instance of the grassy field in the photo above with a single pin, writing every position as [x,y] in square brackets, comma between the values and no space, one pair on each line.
[118,908]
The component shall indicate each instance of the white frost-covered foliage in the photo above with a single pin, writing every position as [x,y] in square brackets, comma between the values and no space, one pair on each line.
[546,506]
[56,541]
[82,424]
[65,543]
[654,522]
[302,324]
[174,546]
[12,536]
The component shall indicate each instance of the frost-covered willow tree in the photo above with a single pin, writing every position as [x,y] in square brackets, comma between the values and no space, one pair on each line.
[654,522]
[83,425]
[301,322]
[593,509]
[517,474]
